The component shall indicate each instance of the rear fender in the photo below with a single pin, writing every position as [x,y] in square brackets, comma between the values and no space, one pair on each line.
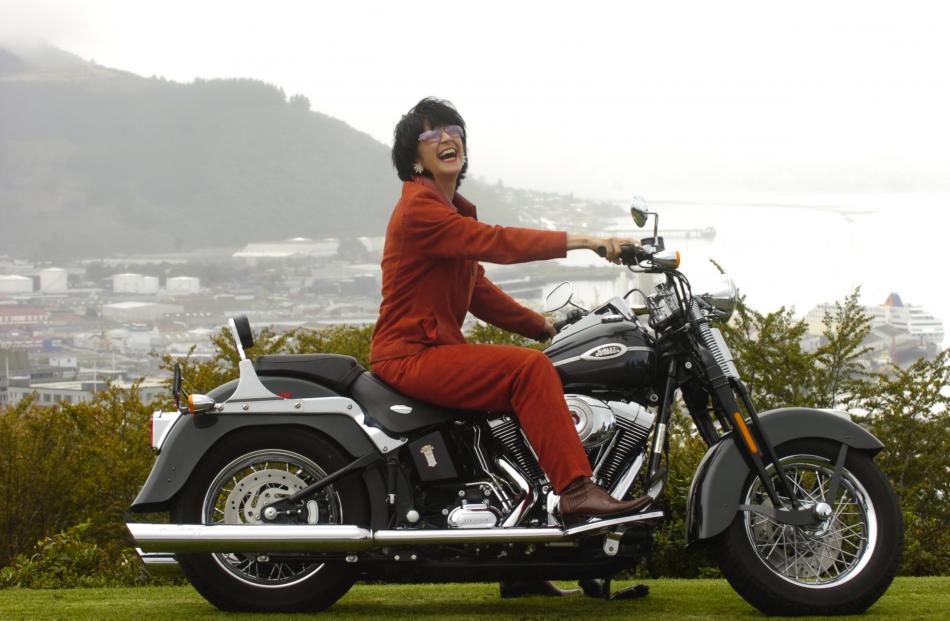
[191,438]
[714,493]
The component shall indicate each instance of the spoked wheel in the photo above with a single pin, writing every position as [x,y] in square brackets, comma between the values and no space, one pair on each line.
[232,485]
[841,565]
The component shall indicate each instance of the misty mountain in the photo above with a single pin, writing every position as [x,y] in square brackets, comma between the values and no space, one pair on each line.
[96,161]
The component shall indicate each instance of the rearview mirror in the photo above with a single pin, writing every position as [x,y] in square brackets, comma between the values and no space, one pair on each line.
[559,297]
[176,386]
[639,211]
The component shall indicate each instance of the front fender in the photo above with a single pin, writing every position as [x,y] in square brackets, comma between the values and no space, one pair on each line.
[714,494]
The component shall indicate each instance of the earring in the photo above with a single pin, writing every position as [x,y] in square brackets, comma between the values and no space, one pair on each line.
[417,168]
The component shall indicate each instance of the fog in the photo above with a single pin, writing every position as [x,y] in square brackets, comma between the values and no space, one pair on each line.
[603,100]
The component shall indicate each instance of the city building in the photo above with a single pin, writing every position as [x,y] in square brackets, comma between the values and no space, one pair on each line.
[79,391]
[22,315]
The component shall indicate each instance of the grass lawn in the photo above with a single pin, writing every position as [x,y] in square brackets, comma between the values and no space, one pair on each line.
[908,598]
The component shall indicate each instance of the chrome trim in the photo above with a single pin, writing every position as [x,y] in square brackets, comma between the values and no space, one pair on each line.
[401,409]
[347,538]
[585,355]
[421,536]
[622,485]
[612,543]
[163,564]
[315,405]
[249,386]
[713,340]
[528,495]
[237,339]
[498,484]
[473,515]
[249,538]
[595,422]
[659,438]
[199,404]
[603,525]
[551,504]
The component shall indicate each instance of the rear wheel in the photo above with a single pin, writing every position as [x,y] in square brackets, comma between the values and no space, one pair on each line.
[232,484]
[843,564]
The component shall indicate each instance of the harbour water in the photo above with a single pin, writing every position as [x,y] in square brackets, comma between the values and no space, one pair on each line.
[798,251]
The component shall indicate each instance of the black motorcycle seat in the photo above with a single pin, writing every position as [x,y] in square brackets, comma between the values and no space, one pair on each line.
[379,400]
[347,377]
[334,371]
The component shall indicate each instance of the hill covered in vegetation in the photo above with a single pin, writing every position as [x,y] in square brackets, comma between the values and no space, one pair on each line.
[96,161]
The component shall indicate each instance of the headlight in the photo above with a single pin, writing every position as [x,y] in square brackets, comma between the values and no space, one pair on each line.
[723,297]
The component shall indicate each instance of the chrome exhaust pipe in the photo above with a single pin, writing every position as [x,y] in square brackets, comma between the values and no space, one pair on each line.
[250,538]
[347,538]
[160,564]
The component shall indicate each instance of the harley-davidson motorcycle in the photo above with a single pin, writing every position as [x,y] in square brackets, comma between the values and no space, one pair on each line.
[308,473]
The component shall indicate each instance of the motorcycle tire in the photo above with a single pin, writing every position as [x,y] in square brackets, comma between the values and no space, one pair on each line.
[840,566]
[233,481]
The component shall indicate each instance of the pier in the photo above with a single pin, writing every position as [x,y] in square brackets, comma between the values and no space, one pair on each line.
[697,233]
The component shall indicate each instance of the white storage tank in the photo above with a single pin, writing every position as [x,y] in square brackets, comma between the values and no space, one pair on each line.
[127,283]
[53,279]
[16,284]
[183,285]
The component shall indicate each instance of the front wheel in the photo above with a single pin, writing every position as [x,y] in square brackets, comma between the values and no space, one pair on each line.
[841,565]
[233,482]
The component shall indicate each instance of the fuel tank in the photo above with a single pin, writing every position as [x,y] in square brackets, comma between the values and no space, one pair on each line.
[609,351]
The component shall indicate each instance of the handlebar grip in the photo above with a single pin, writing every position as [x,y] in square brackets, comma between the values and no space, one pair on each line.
[572,316]
[630,254]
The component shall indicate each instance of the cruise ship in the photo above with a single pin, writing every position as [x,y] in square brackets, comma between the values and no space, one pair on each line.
[912,319]
[901,328]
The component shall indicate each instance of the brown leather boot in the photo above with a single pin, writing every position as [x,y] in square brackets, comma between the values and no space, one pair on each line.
[582,498]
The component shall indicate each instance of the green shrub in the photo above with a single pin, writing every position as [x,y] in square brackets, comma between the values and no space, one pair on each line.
[67,560]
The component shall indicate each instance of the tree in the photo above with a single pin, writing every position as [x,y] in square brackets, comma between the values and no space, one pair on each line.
[838,368]
[909,410]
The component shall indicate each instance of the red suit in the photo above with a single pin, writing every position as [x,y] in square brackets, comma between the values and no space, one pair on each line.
[431,279]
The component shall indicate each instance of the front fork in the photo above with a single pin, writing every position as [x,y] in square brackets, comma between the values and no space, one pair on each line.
[749,437]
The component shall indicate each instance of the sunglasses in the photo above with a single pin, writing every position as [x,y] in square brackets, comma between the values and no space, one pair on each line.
[434,135]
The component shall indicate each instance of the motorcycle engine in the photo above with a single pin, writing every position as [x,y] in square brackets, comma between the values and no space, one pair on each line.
[593,419]
[475,507]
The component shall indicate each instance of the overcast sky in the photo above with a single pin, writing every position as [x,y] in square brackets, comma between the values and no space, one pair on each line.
[604,99]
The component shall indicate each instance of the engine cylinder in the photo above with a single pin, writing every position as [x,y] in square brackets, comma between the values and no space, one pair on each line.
[634,423]
[593,420]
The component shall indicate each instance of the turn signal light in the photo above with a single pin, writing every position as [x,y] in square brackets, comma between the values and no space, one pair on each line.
[667,259]
[199,403]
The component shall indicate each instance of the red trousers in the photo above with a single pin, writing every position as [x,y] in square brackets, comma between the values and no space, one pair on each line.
[499,378]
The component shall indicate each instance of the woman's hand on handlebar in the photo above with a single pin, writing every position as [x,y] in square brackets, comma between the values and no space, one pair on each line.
[548,331]
[607,247]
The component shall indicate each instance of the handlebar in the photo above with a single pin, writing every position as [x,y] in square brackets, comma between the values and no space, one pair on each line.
[572,315]
[630,254]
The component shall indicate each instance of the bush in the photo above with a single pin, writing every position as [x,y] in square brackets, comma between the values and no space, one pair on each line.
[83,464]
[67,560]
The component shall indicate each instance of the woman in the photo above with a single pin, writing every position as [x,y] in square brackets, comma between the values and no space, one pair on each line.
[432,278]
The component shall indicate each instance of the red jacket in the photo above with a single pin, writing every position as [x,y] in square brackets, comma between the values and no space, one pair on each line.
[432,278]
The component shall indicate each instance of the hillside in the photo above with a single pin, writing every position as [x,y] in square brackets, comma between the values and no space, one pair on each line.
[95,161]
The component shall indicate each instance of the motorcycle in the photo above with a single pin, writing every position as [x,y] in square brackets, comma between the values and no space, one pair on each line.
[307,473]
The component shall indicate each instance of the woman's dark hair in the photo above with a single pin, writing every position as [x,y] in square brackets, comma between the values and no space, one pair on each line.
[435,112]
